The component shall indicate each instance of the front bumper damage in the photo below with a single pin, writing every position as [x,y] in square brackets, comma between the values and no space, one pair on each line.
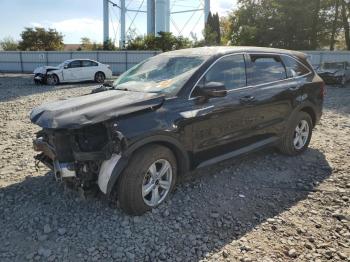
[74,158]
[40,78]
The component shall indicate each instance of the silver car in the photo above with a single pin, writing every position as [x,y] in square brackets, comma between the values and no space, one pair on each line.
[335,72]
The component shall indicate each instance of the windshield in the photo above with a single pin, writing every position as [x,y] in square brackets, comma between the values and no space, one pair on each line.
[63,64]
[337,66]
[160,74]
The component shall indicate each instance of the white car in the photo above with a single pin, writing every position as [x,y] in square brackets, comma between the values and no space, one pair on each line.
[74,70]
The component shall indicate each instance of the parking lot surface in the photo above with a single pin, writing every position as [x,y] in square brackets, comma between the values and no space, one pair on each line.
[263,207]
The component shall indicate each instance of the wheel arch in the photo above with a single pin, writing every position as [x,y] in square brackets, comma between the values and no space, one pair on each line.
[56,73]
[99,71]
[311,112]
[308,108]
[181,155]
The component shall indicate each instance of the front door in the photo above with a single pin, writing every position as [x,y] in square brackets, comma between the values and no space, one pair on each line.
[219,122]
[73,72]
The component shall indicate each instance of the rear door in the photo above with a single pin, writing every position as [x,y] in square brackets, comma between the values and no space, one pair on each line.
[73,72]
[273,91]
[89,69]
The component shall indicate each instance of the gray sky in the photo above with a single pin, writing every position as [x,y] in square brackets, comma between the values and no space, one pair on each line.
[83,18]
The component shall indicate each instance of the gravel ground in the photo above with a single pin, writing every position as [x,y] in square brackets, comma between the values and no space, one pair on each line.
[264,207]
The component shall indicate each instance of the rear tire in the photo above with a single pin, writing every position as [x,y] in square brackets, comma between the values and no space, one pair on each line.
[298,136]
[100,77]
[142,186]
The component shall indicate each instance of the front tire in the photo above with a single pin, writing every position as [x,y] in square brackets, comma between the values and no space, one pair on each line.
[52,80]
[298,136]
[148,180]
[100,77]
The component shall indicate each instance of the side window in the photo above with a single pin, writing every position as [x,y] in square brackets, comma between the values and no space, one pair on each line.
[75,64]
[88,63]
[294,68]
[265,69]
[229,70]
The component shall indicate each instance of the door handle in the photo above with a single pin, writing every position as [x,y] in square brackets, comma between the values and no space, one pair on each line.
[294,88]
[247,99]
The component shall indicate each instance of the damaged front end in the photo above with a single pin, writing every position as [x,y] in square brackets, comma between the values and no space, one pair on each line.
[83,138]
[76,156]
[41,74]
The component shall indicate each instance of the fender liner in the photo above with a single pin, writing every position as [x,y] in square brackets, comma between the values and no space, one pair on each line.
[181,155]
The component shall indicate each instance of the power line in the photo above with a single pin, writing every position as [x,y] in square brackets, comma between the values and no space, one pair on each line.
[133,20]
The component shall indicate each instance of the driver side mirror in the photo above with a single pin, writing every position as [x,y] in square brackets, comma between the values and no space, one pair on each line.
[212,90]
[65,67]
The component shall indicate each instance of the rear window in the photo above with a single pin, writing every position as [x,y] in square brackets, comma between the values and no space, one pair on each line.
[294,68]
[265,69]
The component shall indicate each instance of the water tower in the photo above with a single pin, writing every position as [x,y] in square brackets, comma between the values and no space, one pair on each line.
[158,15]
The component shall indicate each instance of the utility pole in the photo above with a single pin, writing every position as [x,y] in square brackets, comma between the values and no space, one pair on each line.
[105,21]
[151,19]
[162,15]
[206,10]
[122,24]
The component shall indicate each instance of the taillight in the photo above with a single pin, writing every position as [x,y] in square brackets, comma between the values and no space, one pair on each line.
[323,91]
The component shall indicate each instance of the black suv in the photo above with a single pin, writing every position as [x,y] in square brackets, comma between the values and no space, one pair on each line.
[175,112]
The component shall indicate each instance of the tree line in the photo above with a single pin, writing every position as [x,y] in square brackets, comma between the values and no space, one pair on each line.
[292,24]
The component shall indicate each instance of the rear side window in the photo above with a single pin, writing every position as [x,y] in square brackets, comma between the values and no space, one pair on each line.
[75,64]
[88,63]
[294,68]
[265,69]
[229,70]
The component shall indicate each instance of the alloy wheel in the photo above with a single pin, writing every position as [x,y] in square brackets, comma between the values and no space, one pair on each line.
[51,80]
[301,134]
[100,78]
[157,182]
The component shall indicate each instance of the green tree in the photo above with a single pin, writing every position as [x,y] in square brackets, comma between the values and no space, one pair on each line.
[292,24]
[226,28]
[345,8]
[40,39]
[212,34]
[9,44]
[164,41]
[109,45]
[86,44]
[335,25]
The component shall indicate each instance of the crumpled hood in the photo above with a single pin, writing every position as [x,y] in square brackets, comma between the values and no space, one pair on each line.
[43,69]
[73,113]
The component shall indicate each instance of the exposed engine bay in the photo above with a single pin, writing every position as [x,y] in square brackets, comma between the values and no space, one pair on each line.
[77,155]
